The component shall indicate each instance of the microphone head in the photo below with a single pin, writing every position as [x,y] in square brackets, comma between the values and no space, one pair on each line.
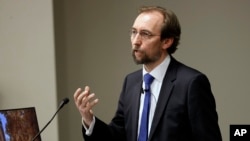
[63,102]
[66,100]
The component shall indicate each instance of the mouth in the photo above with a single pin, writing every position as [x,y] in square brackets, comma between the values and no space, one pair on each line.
[135,50]
[137,53]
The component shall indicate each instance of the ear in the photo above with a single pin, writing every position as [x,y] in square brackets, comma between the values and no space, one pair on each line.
[167,43]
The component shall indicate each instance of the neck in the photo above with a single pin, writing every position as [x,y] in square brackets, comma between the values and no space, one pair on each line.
[150,66]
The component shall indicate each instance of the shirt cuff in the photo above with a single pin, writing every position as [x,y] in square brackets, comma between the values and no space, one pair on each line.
[91,127]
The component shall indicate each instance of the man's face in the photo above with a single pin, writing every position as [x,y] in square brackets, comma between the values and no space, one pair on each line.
[146,40]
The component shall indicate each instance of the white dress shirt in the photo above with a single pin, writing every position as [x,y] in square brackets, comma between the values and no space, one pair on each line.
[158,73]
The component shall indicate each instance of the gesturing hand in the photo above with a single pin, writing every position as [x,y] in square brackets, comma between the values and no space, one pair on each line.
[85,101]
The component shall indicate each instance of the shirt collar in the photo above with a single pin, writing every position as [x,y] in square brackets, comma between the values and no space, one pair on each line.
[160,70]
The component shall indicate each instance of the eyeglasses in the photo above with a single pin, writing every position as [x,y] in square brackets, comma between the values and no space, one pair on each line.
[143,34]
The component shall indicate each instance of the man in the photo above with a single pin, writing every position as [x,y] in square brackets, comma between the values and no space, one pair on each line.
[178,105]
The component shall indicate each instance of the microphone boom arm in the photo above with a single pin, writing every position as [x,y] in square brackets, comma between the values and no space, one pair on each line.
[64,101]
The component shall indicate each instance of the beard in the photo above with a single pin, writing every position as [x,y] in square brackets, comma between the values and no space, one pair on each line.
[144,57]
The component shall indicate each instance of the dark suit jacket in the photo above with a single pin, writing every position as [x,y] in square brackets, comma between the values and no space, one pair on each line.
[185,110]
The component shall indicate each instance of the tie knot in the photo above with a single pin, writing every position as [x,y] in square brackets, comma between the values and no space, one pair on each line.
[148,79]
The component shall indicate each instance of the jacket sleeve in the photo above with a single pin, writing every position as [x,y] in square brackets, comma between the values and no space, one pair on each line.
[103,131]
[202,110]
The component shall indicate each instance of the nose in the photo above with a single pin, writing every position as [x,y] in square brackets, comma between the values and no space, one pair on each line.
[136,40]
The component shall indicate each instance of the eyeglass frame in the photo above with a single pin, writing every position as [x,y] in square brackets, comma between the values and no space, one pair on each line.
[144,34]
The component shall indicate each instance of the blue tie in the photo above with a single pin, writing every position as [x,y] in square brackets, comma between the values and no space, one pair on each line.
[143,134]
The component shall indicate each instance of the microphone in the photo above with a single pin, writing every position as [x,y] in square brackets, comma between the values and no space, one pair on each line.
[63,102]
[144,90]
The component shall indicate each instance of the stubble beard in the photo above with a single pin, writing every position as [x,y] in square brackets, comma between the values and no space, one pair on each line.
[145,59]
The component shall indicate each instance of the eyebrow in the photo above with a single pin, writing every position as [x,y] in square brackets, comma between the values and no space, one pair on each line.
[144,30]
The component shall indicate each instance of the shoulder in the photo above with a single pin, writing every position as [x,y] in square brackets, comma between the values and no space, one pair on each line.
[136,75]
[183,71]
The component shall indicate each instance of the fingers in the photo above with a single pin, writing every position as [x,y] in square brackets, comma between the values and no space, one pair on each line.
[90,102]
[80,94]
[84,100]
[76,94]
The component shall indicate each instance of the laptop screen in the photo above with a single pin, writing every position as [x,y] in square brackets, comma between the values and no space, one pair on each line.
[18,124]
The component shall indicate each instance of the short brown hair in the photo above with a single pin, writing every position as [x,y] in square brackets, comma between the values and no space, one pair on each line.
[171,27]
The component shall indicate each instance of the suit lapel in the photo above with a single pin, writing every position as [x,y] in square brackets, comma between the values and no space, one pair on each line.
[165,93]
[134,100]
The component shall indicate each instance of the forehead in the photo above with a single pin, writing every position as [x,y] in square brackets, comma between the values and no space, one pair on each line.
[151,21]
